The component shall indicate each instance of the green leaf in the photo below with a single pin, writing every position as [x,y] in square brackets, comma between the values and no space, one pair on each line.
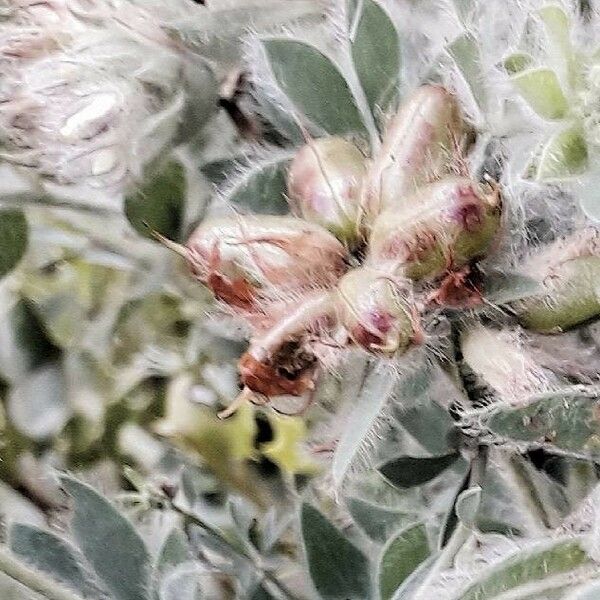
[182,584]
[338,569]
[501,288]
[410,471]
[25,344]
[173,552]
[378,522]
[564,155]
[158,205]
[464,50]
[14,235]
[375,47]
[517,62]
[528,567]
[371,396]
[541,89]
[262,188]
[414,581]
[568,420]
[400,557]
[52,555]
[314,85]
[467,505]
[557,27]
[109,542]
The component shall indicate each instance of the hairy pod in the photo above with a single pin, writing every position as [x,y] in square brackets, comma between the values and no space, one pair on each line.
[281,361]
[324,182]
[569,275]
[442,226]
[244,259]
[418,142]
[376,311]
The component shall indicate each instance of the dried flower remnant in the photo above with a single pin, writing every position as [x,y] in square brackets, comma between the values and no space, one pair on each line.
[324,182]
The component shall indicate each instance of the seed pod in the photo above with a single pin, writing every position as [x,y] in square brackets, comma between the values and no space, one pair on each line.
[243,259]
[376,311]
[324,182]
[569,272]
[282,360]
[444,226]
[418,142]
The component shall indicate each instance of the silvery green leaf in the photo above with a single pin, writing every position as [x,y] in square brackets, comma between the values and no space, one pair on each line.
[109,542]
[378,522]
[158,204]
[564,155]
[401,555]
[24,343]
[541,89]
[373,392]
[536,570]
[590,591]
[410,471]
[261,187]
[38,404]
[566,420]
[182,583]
[14,234]
[328,101]
[465,52]
[174,551]
[467,505]
[52,555]
[375,47]
[501,288]
[338,569]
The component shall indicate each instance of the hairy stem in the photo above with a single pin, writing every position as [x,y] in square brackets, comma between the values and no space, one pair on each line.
[191,519]
[34,580]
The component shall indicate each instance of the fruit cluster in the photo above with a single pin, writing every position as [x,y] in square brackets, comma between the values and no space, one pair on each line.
[369,237]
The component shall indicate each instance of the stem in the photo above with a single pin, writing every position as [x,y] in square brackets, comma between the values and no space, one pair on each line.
[34,580]
[191,519]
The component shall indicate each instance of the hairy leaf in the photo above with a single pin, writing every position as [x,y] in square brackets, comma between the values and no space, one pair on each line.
[14,235]
[375,47]
[400,557]
[378,522]
[109,542]
[314,85]
[338,569]
[410,471]
[533,565]
[541,89]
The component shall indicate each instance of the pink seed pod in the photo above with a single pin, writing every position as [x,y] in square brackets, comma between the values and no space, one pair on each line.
[443,226]
[376,311]
[418,143]
[324,182]
[244,259]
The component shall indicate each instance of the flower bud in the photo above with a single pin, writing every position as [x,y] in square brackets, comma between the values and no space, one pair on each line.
[243,259]
[375,311]
[324,183]
[569,272]
[442,226]
[418,142]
